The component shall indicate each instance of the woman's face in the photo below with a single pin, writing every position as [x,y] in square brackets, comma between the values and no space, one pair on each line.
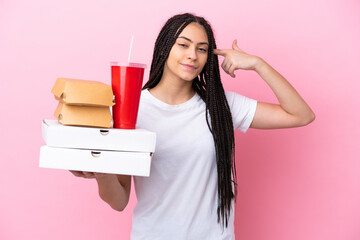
[188,55]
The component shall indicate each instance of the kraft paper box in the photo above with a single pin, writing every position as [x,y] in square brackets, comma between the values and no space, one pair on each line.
[83,92]
[83,115]
[57,135]
[115,162]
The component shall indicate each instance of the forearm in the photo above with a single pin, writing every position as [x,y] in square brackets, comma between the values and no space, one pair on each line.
[289,99]
[112,192]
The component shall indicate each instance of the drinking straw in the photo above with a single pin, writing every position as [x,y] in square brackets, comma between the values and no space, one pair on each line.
[131,43]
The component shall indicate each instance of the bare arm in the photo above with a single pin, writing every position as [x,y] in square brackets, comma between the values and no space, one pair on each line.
[113,189]
[292,110]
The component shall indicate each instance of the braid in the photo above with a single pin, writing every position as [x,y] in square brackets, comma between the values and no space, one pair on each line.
[164,42]
[218,116]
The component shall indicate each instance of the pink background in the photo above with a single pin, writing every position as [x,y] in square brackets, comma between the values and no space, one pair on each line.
[293,184]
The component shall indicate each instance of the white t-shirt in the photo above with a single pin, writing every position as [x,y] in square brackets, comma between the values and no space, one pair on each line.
[179,199]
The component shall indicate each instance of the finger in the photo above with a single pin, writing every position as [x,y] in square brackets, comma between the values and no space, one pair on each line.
[235,46]
[89,175]
[227,64]
[232,69]
[76,173]
[223,66]
[221,52]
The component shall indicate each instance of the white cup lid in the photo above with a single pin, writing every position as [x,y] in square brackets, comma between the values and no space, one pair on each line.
[139,65]
[118,64]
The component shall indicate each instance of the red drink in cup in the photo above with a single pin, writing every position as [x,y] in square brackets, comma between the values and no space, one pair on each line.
[126,83]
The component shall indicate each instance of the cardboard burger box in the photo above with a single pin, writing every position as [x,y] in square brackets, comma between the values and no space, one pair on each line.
[83,92]
[83,102]
[117,151]
[74,115]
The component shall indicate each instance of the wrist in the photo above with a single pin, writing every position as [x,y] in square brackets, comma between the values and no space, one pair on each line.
[105,179]
[259,63]
[100,175]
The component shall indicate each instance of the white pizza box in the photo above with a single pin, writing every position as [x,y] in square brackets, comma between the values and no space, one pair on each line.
[58,135]
[115,162]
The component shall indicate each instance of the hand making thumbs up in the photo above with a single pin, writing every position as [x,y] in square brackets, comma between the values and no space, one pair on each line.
[236,58]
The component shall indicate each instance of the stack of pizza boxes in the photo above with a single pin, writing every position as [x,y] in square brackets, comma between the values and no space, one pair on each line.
[82,139]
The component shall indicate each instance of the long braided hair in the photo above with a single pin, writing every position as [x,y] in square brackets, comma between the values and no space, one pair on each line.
[209,87]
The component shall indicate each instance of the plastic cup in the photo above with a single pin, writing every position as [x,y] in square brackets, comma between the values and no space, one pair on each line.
[126,83]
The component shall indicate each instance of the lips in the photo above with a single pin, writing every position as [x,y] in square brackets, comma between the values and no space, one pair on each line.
[189,67]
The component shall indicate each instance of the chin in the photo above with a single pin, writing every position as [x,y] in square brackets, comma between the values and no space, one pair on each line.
[188,78]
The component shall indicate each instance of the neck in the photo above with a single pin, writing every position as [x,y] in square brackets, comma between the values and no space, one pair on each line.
[173,92]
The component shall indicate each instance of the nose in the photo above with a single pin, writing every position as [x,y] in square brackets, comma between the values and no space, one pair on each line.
[192,54]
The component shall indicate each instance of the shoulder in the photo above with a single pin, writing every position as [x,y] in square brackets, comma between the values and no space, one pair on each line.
[242,110]
[236,99]
[231,95]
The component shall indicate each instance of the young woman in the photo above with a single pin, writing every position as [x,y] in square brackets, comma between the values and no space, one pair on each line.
[192,186]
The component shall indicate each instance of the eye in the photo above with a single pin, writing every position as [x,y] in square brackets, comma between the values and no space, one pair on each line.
[182,45]
[204,50]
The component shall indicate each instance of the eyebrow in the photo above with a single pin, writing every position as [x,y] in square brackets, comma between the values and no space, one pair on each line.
[188,39]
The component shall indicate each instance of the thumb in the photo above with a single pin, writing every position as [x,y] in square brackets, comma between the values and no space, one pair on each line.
[235,46]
